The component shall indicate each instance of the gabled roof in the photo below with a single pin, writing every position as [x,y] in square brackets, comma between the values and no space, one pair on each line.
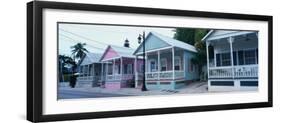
[121,51]
[91,58]
[219,34]
[170,41]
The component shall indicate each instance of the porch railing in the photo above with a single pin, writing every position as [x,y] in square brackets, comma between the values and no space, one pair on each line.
[139,76]
[241,71]
[85,78]
[163,75]
[119,77]
[127,76]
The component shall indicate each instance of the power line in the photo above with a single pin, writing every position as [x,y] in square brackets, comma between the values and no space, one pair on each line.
[82,36]
[86,39]
[77,42]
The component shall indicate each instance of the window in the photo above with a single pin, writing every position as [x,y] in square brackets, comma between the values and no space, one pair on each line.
[125,68]
[130,70]
[177,63]
[235,58]
[117,69]
[109,69]
[218,59]
[90,70]
[250,57]
[241,57]
[163,64]
[225,59]
[257,55]
[190,65]
[153,66]
[86,70]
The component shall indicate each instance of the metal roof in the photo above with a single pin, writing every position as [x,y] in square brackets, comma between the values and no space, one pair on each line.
[219,34]
[171,41]
[123,51]
[91,58]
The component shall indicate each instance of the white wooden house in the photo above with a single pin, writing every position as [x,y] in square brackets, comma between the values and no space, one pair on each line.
[232,60]
[90,71]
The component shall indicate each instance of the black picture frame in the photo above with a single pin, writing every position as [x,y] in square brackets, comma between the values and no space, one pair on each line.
[35,69]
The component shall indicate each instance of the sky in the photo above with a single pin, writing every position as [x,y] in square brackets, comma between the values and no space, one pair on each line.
[98,37]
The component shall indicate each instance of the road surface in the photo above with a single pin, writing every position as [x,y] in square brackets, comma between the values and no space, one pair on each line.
[74,94]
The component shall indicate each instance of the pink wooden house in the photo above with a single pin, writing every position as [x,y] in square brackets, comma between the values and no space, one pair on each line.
[119,69]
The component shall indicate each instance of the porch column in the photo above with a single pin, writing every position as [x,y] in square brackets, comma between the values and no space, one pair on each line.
[106,70]
[215,58]
[230,39]
[207,48]
[113,70]
[183,64]
[93,71]
[121,67]
[158,53]
[173,61]
[88,71]
[101,71]
[136,71]
[93,75]
[146,69]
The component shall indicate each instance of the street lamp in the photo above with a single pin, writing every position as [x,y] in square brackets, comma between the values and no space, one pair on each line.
[143,46]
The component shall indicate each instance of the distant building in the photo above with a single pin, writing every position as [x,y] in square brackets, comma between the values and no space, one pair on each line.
[89,71]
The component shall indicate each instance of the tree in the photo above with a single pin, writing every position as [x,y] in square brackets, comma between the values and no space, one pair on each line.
[78,51]
[63,62]
[186,35]
[62,59]
[193,37]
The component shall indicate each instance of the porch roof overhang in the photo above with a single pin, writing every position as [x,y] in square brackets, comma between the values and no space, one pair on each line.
[118,57]
[208,37]
[154,50]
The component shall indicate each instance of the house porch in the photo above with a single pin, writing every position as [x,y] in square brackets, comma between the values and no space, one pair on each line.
[233,62]
[165,68]
[119,72]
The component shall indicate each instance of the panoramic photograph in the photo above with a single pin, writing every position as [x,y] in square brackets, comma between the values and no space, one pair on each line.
[106,60]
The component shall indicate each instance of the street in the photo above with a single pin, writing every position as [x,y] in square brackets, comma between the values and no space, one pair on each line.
[73,94]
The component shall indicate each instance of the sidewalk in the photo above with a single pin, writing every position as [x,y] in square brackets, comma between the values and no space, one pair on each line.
[195,87]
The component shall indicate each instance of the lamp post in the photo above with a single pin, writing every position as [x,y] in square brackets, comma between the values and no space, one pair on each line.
[143,46]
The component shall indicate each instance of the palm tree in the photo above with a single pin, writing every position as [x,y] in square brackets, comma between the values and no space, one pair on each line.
[78,51]
[63,61]
[69,61]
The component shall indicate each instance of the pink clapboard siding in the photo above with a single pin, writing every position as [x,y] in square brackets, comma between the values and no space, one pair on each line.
[110,54]
[113,85]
